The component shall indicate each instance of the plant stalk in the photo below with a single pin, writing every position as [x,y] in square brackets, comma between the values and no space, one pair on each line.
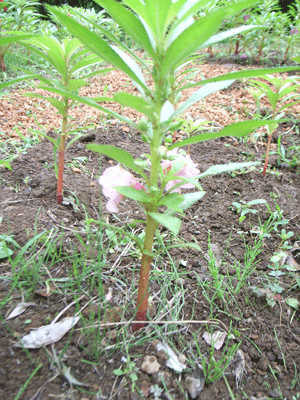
[267,154]
[61,158]
[142,298]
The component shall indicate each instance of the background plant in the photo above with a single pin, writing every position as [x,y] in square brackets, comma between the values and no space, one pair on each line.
[16,16]
[281,91]
[67,65]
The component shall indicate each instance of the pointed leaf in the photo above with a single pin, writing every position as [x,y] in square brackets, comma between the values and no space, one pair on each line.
[15,38]
[227,34]
[120,155]
[204,91]
[90,102]
[219,169]
[240,75]
[129,22]
[166,111]
[75,84]
[132,193]
[99,46]
[237,129]
[19,79]
[169,222]
[137,103]
[172,201]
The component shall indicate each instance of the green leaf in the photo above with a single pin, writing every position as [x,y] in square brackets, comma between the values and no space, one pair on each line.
[191,198]
[5,251]
[220,169]
[172,201]
[75,84]
[12,39]
[120,155]
[132,193]
[169,222]
[237,129]
[137,103]
[21,78]
[204,91]
[6,164]
[100,47]
[166,112]
[190,40]
[90,102]
[229,33]
[129,22]
[294,303]
[239,75]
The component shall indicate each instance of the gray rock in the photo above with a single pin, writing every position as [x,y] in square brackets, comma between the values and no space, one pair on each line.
[194,386]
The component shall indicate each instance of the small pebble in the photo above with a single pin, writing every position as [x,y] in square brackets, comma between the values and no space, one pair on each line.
[150,365]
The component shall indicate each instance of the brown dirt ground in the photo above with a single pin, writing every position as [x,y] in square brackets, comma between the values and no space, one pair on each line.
[269,337]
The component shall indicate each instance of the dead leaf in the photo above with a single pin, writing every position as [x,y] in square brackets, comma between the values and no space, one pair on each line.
[77,170]
[19,309]
[288,260]
[216,339]
[239,367]
[47,334]
[125,129]
[173,361]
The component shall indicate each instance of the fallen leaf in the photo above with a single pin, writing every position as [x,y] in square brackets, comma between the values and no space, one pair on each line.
[47,334]
[77,170]
[46,292]
[173,361]
[239,367]
[216,339]
[19,309]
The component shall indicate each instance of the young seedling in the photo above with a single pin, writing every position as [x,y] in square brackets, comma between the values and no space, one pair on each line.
[169,35]
[281,91]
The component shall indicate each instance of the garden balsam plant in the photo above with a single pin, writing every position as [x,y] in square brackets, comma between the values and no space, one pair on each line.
[169,34]
[280,91]
[68,62]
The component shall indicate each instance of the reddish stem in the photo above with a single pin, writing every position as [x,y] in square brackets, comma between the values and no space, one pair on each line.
[2,65]
[142,298]
[267,155]
[237,46]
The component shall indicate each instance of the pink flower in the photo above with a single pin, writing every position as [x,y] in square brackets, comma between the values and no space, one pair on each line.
[294,31]
[189,170]
[247,16]
[113,177]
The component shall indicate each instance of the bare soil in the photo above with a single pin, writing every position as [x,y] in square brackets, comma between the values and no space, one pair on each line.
[269,336]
